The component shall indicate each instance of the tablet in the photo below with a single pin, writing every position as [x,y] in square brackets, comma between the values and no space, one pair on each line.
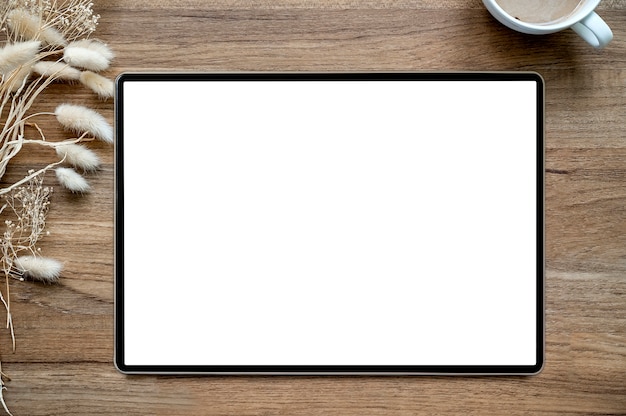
[352,223]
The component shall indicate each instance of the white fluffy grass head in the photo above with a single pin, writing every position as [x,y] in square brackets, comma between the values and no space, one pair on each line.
[19,53]
[81,119]
[96,46]
[29,26]
[88,54]
[79,156]
[104,87]
[43,269]
[72,180]
[58,70]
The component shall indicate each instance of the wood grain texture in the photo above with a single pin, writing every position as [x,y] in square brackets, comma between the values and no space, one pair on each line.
[63,362]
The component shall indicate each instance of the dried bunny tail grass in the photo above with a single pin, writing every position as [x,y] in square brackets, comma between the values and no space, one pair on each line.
[79,156]
[29,26]
[23,23]
[104,87]
[58,70]
[44,269]
[72,180]
[82,119]
[85,57]
[95,46]
[19,53]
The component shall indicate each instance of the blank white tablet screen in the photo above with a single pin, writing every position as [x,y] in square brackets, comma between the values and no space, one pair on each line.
[330,222]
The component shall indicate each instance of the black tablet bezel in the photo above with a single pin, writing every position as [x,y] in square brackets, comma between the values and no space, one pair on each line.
[334,369]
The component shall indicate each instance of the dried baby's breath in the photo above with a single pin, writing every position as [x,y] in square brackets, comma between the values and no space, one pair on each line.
[29,204]
[75,19]
[26,208]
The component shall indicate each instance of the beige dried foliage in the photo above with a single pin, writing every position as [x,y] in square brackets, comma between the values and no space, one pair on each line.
[38,35]
[25,25]
[73,19]
[17,78]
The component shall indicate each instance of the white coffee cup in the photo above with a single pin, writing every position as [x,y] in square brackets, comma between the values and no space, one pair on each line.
[583,20]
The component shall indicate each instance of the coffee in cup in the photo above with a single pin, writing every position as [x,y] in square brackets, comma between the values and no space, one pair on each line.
[539,11]
[540,17]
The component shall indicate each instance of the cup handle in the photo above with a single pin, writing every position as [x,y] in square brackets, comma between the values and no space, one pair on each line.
[594,30]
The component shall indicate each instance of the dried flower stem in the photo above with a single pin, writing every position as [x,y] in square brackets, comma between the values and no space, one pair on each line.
[2,388]
[30,176]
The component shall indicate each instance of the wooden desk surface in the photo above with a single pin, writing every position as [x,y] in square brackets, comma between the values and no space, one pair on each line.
[63,362]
